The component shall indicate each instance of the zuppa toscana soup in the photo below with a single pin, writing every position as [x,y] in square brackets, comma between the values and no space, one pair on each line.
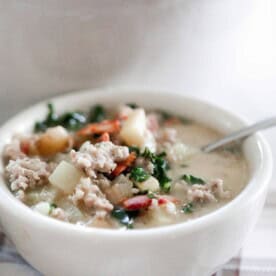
[121,168]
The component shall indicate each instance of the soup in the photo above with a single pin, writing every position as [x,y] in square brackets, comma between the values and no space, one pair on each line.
[122,168]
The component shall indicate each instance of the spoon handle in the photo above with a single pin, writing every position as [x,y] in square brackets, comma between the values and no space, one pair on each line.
[244,132]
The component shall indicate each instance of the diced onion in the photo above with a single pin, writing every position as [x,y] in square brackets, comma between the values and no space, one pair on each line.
[42,208]
[151,184]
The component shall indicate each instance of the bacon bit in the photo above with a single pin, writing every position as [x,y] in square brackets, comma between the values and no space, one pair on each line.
[152,122]
[25,147]
[109,126]
[122,117]
[137,203]
[105,137]
[162,201]
[172,121]
[122,166]
[165,199]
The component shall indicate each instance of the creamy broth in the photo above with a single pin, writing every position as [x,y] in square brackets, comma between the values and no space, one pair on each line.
[228,164]
[122,169]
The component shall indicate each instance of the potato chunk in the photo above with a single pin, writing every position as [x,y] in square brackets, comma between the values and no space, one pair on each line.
[53,141]
[134,128]
[65,177]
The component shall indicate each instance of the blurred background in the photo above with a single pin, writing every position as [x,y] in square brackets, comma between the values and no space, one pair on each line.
[219,50]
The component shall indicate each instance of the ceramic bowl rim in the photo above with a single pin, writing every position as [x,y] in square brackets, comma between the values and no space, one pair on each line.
[262,175]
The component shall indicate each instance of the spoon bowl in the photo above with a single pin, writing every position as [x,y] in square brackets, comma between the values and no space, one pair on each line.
[240,134]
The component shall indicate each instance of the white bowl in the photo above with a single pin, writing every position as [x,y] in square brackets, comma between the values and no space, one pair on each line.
[198,247]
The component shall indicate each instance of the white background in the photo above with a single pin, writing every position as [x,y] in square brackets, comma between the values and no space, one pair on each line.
[223,51]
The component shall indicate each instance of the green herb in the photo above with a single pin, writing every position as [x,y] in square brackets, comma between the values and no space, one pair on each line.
[124,217]
[134,149]
[52,207]
[160,167]
[147,153]
[138,174]
[184,166]
[97,114]
[165,184]
[39,127]
[162,154]
[151,195]
[152,156]
[188,208]
[132,105]
[69,120]
[167,116]
[50,120]
[191,180]
[72,120]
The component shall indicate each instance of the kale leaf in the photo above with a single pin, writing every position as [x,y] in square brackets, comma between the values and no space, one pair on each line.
[188,208]
[69,120]
[151,195]
[132,105]
[138,174]
[52,207]
[134,149]
[97,114]
[160,168]
[191,180]
[124,217]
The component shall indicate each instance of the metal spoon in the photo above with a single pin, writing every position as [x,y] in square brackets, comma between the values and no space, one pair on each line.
[238,135]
